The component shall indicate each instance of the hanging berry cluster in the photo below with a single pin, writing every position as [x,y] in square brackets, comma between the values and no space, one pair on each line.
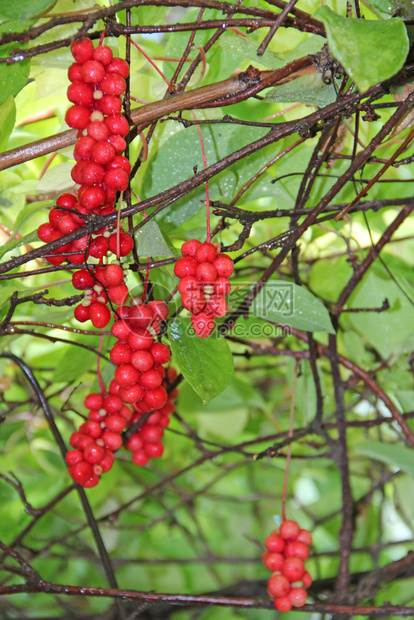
[286,553]
[101,435]
[97,83]
[203,271]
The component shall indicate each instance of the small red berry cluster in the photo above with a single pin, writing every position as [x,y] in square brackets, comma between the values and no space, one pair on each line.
[100,285]
[286,553]
[145,443]
[139,359]
[204,283]
[97,439]
[97,83]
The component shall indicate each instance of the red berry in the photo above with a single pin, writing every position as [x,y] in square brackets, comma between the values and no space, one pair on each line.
[293,569]
[109,104]
[160,352]
[297,597]
[117,178]
[126,243]
[120,330]
[155,398]
[306,580]
[115,423]
[140,458]
[103,54]
[283,604]
[117,123]
[277,586]
[206,252]
[217,306]
[189,283]
[113,275]
[81,313]
[112,83]
[82,50]
[150,379]
[126,375]
[222,286]
[99,314]
[193,301]
[117,142]
[91,197]
[119,65]
[206,272]
[142,360]
[75,438]
[92,173]
[94,454]
[224,265]
[132,394]
[80,93]
[93,71]
[289,530]
[112,403]
[75,72]
[83,148]
[91,482]
[118,294]
[120,353]
[93,401]
[98,131]
[140,339]
[150,433]
[107,461]
[81,472]
[154,419]
[44,232]
[297,549]
[93,429]
[164,422]
[275,543]
[134,443]
[273,561]
[141,316]
[78,116]
[112,441]
[102,152]
[202,324]
[73,456]
[154,450]
[189,247]
[185,267]
[159,308]
[305,537]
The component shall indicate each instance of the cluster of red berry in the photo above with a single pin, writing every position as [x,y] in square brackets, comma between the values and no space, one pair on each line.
[286,553]
[100,285]
[97,439]
[139,359]
[97,83]
[204,283]
[145,443]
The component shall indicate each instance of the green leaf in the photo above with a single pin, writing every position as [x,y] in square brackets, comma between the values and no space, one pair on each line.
[7,120]
[151,242]
[355,43]
[56,179]
[288,304]
[383,330]
[74,362]
[396,455]
[206,363]
[16,243]
[23,9]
